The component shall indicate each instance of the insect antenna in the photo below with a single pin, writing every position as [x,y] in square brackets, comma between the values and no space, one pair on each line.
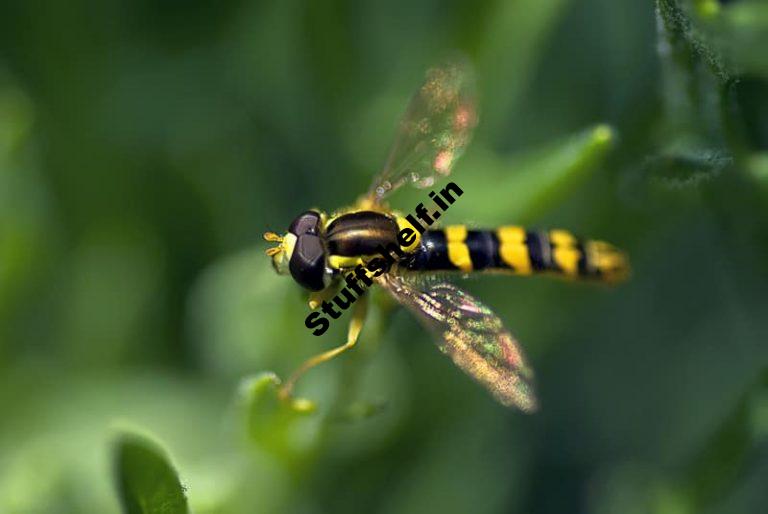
[274,238]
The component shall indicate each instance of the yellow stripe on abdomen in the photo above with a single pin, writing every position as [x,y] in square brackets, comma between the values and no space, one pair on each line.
[565,251]
[512,249]
[458,251]
[610,262]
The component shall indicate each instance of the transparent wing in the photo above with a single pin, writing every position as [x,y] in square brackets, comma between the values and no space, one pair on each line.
[471,335]
[433,132]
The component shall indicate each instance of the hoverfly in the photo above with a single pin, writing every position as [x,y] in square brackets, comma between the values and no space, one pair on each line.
[319,249]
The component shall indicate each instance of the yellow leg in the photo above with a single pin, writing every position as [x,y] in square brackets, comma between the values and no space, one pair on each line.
[355,326]
[316,298]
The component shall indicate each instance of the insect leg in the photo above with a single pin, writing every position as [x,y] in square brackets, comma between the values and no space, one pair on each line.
[316,298]
[355,326]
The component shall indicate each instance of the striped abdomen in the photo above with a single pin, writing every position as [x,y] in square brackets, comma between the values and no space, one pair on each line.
[516,250]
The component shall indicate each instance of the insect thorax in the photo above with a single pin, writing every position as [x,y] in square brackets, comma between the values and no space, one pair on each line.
[354,236]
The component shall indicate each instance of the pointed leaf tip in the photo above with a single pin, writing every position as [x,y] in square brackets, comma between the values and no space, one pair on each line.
[147,482]
[603,135]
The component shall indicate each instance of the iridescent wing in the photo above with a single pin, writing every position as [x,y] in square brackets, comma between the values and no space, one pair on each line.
[471,335]
[433,132]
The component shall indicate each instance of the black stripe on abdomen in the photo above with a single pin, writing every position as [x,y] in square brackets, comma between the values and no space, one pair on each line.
[483,249]
[539,250]
[432,253]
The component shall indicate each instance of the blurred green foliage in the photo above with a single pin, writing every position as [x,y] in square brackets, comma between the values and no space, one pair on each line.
[145,146]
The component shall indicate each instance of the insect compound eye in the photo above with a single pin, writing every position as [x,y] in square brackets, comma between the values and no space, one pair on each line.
[308,262]
[306,223]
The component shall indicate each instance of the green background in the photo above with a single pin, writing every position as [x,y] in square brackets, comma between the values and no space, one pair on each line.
[145,146]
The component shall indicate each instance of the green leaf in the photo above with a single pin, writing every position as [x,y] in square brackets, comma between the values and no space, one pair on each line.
[686,168]
[684,37]
[146,480]
[695,136]
[524,187]
[276,426]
